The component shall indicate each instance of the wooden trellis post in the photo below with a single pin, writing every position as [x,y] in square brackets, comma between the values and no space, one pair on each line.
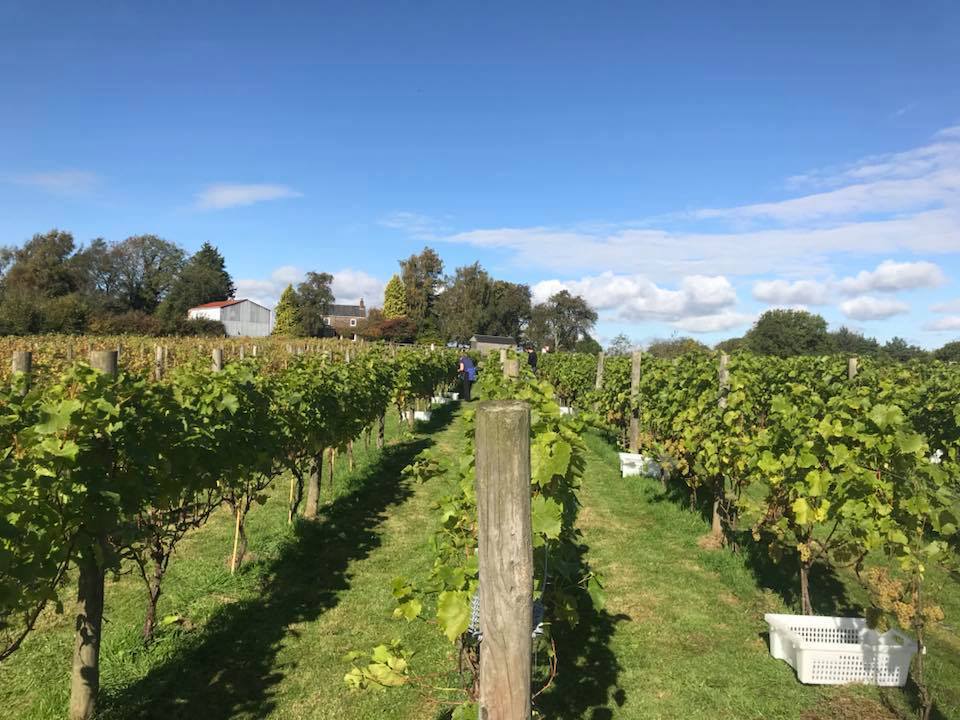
[506,558]
[634,398]
[599,384]
[23,364]
[217,359]
[852,368]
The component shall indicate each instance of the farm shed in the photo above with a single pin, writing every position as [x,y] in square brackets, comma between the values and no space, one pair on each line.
[490,343]
[241,318]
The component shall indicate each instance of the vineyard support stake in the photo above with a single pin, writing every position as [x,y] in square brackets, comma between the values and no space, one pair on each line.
[506,558]
[85,676]
[634,401]
[23,364]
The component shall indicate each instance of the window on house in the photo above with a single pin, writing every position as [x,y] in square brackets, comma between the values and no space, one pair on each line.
[353,322]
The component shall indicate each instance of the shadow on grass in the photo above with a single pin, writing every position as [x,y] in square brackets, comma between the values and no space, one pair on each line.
[586,685]
[229,668]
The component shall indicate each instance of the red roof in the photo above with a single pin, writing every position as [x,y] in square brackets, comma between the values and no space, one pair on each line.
[218,304]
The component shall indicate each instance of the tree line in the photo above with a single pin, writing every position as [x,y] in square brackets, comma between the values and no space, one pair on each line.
[143,284]
[789,333]
[422,304]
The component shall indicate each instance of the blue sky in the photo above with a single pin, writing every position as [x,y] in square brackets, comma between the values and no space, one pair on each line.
[684,166]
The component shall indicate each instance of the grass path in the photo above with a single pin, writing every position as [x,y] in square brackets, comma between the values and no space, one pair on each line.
[682,635]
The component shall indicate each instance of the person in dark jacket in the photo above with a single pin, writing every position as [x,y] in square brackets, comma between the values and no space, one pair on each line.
[532,358]
[468,373]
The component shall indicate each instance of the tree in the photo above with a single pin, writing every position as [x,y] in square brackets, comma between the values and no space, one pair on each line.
[394,298]
[461,305]
[204,279]
[561,321]
[286,316]
[620,345]
[421,275]
[949,352]
[788,332]
[851,342]
[146,267]
[314,298]
[675,347]
[730,345]
[508,310]
[588,345]
[896,348]
[42,267]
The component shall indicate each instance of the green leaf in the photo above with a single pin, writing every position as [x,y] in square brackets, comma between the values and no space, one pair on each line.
[409,610]
[801,510]
[453,613]
[545,515]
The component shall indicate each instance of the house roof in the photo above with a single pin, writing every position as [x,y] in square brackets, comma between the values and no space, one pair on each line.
[218,304]
[347,311]
[496,339]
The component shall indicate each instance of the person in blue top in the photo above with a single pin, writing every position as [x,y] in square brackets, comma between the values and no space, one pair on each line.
[468,373]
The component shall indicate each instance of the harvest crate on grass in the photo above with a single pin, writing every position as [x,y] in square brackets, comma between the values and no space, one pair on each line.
[836,650]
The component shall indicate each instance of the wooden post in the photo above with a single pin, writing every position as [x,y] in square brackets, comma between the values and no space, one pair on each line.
[104,360]
[852,368]
[313,486]
[634,398]
[506,558]
[217,359]
[253,351]
[599,383]
[503,356]
[22,364]
[70,353]
[158,363]
[723,377]
[243,352]
[85,676]
[511,368]
[381,430]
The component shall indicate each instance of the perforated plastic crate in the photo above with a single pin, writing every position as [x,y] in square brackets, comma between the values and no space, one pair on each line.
[835,650]
[636,464]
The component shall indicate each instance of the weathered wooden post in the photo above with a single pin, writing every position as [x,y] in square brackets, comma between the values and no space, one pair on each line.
[158,363]
[506,558]
[503,356]
[253,351]
[723,378]
[217,365]
[85,675]
[634,401]
[511,368]
[598,385]
[852,368]
[22,364]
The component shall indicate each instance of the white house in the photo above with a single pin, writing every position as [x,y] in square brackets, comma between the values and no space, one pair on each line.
[239,317]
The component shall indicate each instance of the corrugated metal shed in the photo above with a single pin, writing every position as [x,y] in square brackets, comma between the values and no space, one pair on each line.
[240,318]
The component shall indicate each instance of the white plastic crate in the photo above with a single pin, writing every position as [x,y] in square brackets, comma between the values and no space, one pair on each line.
[564,410]
[422,415]
[637,464]
[439,400]
[836,650]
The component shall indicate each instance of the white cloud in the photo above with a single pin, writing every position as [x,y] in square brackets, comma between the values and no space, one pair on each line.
[892,276]
[700,304]
[348,286]
[867,307]
[60,182]
[944,324]
[951,306]
[351,285]
[423,227]
[713,323]
[226,195]
[905,202]
[800,292]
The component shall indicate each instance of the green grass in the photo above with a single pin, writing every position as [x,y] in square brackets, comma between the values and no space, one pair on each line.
[682,635]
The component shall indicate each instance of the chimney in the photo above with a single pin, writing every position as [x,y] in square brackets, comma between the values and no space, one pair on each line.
[363,309]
